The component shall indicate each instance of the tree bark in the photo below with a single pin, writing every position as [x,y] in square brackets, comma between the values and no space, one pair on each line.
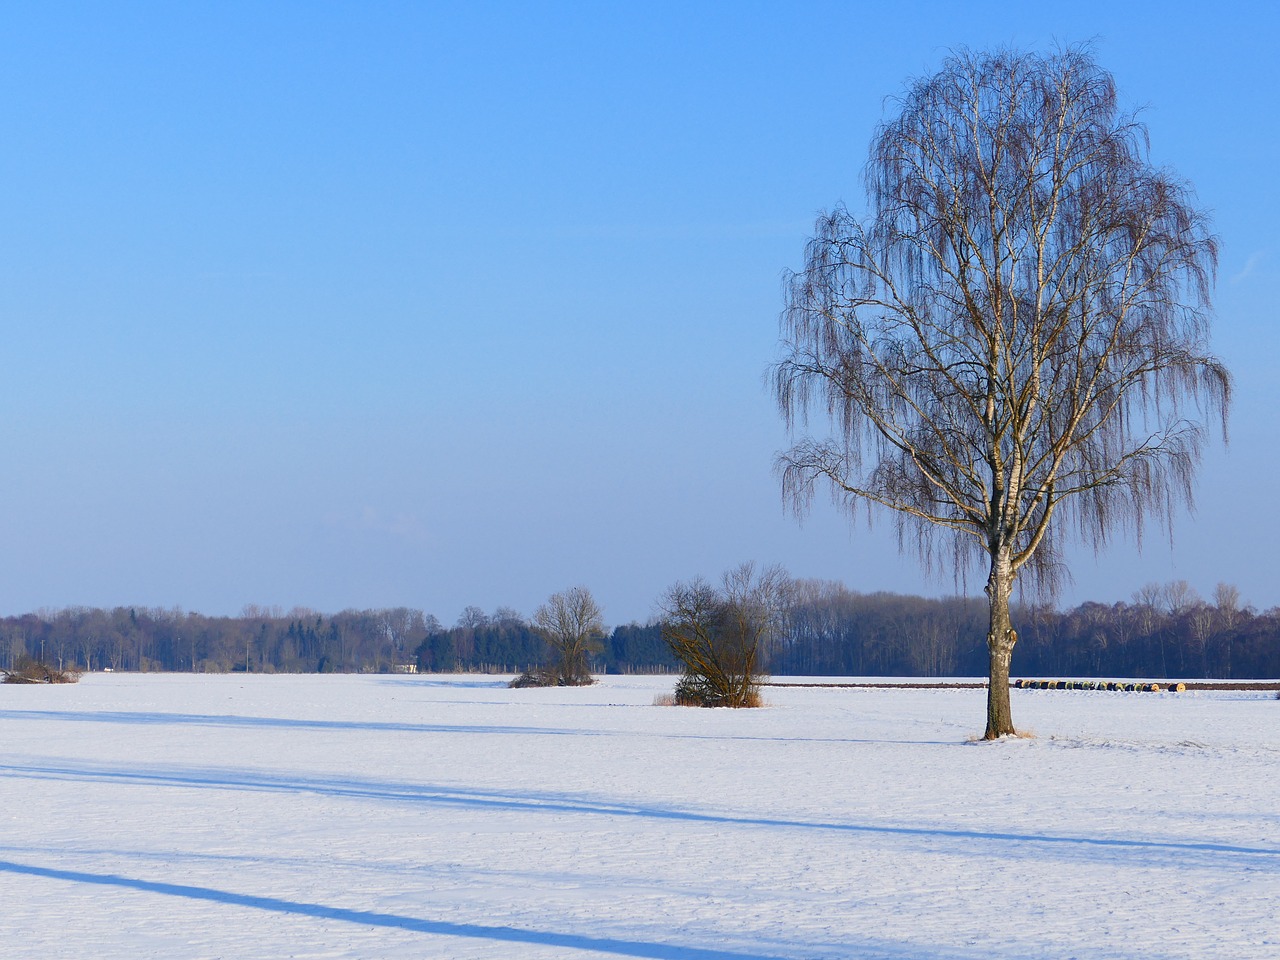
[1000,640]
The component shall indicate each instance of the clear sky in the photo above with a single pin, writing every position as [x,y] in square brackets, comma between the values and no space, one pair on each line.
[426,304]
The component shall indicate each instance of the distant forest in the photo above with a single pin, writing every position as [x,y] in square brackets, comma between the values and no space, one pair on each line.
[827,629]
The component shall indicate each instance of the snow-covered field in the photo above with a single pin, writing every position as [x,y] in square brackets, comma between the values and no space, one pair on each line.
[176,816]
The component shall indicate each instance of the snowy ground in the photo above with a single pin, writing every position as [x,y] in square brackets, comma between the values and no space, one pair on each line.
[175,816]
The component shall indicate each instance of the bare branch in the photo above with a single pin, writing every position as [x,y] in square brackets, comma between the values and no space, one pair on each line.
[1013,348]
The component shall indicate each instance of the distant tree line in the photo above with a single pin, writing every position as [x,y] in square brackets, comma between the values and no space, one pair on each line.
[1164,631]
[260,640]
[304,641]
[825,629]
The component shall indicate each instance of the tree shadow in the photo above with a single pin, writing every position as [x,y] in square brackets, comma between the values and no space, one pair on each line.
[383,726]
[1179,854]
[141,718]
[504,934]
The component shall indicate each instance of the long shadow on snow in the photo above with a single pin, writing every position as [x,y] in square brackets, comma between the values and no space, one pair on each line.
[290,723]
[623,948]
[558,803]
[867,948]
[415,869]
[382,726]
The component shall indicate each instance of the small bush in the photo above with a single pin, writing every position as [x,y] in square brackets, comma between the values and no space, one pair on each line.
[691,691]
[697,691]
[541,677]
[547,677]
[28,670]
[721,635]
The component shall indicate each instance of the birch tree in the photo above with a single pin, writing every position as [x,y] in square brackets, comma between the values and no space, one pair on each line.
[1012,347]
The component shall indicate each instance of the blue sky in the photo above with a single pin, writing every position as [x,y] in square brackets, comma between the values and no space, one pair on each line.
[380,304]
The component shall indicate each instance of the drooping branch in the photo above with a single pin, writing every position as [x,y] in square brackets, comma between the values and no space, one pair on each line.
[1027,306]
[1011,349]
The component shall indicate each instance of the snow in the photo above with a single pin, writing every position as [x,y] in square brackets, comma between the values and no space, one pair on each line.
[179,816]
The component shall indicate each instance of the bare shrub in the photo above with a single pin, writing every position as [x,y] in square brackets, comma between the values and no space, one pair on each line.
[540,677]
[28,670]
[720,635]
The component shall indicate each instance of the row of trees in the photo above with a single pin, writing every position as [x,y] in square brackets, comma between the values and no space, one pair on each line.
[789,627]
[305,641]
[1163,631]
[131,638]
